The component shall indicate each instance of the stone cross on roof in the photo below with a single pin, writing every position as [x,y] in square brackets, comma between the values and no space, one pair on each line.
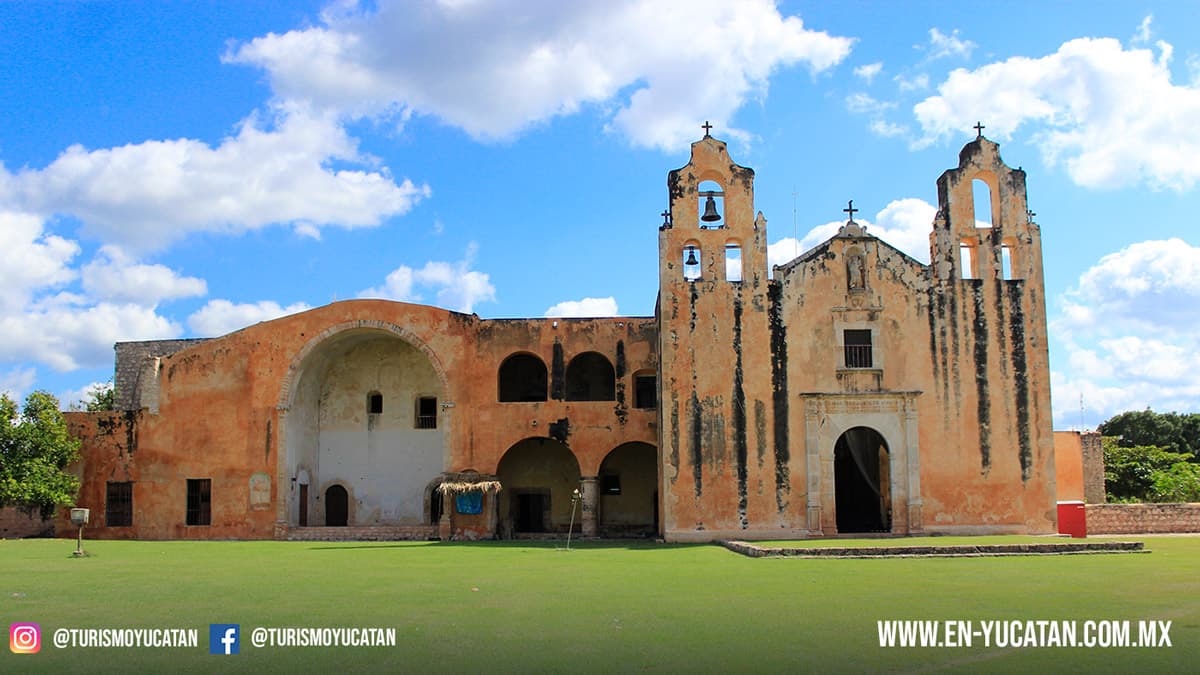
[978,129]
[706,127]
[851,210]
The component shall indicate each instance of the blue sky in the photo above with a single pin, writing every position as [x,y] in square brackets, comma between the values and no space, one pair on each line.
[186,169]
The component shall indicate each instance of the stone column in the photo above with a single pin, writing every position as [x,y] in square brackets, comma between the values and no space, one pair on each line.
[589,492]
[445,524]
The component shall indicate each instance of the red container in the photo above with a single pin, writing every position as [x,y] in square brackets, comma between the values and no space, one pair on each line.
[1072,519]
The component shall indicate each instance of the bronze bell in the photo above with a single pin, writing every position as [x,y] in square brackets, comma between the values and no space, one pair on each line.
[710,211]
[691,259]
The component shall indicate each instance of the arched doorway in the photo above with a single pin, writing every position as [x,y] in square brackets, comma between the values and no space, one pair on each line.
[628,485]
[539,476]
[861,482]
[337,506]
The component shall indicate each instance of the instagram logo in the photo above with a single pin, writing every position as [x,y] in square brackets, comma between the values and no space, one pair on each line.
[25,638]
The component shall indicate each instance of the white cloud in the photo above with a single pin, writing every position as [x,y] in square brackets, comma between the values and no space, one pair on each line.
[943,46]
[455,285]
[783,251]
[113,275]
[32,258]
[1146,289]
[66,336]
[221,317]
[1111,115]
[17,382]
[862,103]
[904,224]
[144,196]
[74,398]
[493,68]
[915,83]
[887,129]
[869,71]
[586,308]
[1143,287]
[1142,36]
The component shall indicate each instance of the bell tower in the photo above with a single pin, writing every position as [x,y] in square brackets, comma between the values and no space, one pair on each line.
[988,310]
[714,350]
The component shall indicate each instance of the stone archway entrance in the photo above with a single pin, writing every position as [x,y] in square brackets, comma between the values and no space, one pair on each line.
[539,476]
[861,482]
[628,486]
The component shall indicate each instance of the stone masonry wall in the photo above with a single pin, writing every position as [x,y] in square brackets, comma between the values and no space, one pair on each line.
[129,359]
[15,523]
[1093,468]
[1142,518]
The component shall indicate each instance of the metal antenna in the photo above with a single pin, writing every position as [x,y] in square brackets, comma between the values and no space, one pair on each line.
[795,226]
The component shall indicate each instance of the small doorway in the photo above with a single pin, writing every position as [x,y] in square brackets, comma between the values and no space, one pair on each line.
[531,509]
[303,506]
[336,506]
[861,482]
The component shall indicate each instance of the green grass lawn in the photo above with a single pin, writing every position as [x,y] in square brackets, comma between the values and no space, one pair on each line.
[602,607]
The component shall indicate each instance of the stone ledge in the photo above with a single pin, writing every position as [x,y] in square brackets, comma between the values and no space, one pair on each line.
[955,551]
[352,533]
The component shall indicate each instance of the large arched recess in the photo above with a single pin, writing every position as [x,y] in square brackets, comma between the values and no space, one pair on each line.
[538,477]
[329,432]
[628,484]
[862,485]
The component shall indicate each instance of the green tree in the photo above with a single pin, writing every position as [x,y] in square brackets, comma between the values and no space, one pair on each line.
[1171,431]
[1130,473]
[1179,483]
[100,397]
[35,447]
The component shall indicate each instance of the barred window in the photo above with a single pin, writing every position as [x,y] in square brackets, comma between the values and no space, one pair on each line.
[858,348]
[118,504]
[199,501]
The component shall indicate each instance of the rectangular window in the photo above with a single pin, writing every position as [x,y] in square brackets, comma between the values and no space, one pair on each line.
[199,501]
[375,403]
[118,505]
[427,412]
[645,391]
[858,348]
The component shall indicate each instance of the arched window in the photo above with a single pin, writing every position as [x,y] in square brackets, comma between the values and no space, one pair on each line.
[590,377]
[733,261]
[711,206]
[981,194]
[374,403]
[522,379]
[691,261]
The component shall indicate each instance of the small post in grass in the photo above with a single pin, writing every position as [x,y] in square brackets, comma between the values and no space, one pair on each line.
[571,527]
[79,517]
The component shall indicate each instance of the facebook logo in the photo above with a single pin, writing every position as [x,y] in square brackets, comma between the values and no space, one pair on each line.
[223,638]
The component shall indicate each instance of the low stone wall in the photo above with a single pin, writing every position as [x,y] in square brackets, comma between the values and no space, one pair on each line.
[15,523]
[926,551]
[1142,518]
[398,533]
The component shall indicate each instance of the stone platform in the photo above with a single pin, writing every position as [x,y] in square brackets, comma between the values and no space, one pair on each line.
[927,551]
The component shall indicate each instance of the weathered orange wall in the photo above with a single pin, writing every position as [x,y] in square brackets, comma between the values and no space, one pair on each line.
[1068,466]
[219,405]
[752,395]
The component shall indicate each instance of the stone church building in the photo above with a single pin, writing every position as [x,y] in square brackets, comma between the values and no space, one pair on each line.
[853,389]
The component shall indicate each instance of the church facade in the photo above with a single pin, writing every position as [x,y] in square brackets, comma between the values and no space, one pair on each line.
[850,390]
